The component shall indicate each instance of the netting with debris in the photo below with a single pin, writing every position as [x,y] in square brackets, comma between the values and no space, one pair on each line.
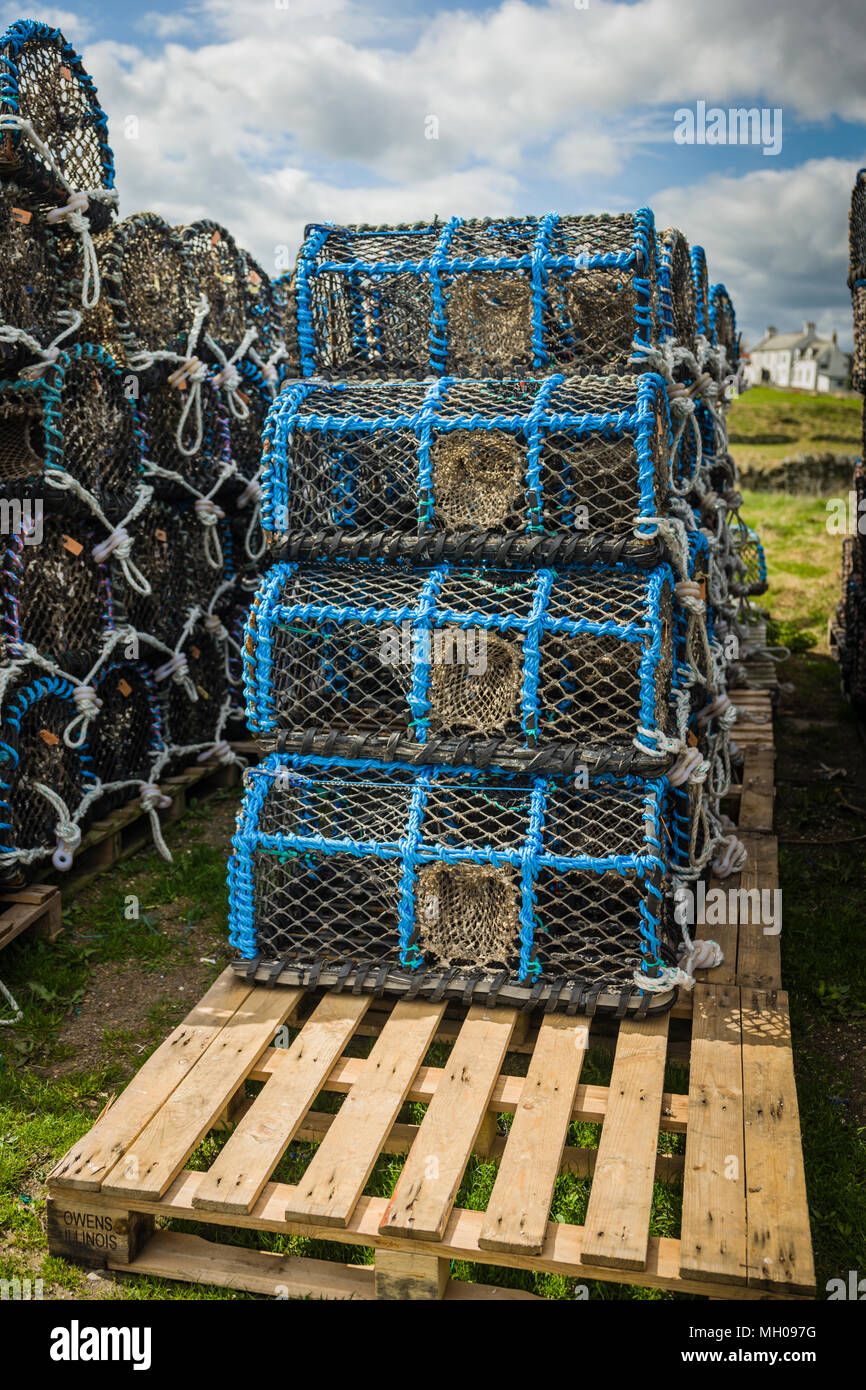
[723,324]
[473,667]
[475,298]
[429,876]
[500,458]
[45,91]
[219,272]
[32,288]
[185,429]
[56,598]
[73,428]
[125,736]
[676,291]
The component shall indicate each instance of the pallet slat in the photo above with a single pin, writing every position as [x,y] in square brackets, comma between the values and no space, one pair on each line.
[424,1196]
[517,1212]
[246,1162]
[342,1164]
[161,1149]
[618,1215]
[713,1231]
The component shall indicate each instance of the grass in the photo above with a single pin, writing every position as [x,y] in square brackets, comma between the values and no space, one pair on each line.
[182,918]
[765,425]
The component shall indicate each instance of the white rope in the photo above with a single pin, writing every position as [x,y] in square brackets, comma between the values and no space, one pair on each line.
[209,514]
[67,832]
[190,372]
[49,354]
[269,369]
[64,482]
[18,1012]
[690,767]
[153,799]
[732,859]
[229,378]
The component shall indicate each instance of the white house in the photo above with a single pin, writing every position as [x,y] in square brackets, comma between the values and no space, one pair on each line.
[800,360]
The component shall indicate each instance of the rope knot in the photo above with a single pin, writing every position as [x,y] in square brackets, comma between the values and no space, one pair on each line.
[119,542]
[190,369]
[251,493]
[220,750]
[177,667]
[75,203]
[208,512]
[214,624]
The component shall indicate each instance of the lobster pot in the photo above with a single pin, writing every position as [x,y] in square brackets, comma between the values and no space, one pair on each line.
[31,283]
[194,724]
[857,278]
[43,82]
[147,298]
[723,325]
[677,295]
[264,306]
[125,738]
[55,596]
[411,878]
[36,710]
[173,552]
[193,459]
[463,666]
[284,292]
[693,460]
[853,652]
[750,565]
[858,304]
[72,423]
[702,291]
[219,272]
[477,297]
[465,459]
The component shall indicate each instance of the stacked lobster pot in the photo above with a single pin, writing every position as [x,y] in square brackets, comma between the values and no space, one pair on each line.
[487,666]
[137,364]
[849,631]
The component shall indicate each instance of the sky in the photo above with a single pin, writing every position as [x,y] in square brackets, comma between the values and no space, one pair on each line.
[268,114]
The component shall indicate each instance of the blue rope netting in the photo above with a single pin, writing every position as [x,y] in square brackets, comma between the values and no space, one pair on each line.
[460,456]
[534,293]
[544,848]
[534,656]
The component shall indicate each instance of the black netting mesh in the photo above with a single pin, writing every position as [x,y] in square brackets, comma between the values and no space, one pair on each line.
[369,302]
[449,656]
[189,723]
[219,272]
[171,552]
[126,736]
[43,82]
[432,888]
[723,324]
[148,293]
[160,413]
[31,284]
[55,596]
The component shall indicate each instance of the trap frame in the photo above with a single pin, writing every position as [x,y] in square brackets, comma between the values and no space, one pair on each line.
[476,297]
[534,668]
[417,880]
[462,460]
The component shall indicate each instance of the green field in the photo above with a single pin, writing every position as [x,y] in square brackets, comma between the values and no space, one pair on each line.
[765,425]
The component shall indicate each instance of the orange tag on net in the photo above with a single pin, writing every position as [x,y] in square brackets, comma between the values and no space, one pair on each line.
[693,739]
[21,215]
[195,653]
[702,583]
[124,687]
[67,73]
[254,277]
[47,737]
[160,535]
[74,547]
[215,238]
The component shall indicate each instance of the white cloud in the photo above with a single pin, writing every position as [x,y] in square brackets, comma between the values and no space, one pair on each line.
[778,238]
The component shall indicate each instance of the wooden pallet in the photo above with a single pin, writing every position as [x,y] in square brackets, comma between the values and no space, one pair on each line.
[37,908]
[745,1225]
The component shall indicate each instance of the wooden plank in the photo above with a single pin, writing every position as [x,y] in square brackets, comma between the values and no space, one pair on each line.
[516,1217]
[256,1147]
[713,1232]
[779,1240]
[759,957]
[726,933]
[756,802]
[618,1214]
[561,1253]
[339,1169]
[422,1200]
[194,1260]
[590,1102]
[159,1152]
[89,1161]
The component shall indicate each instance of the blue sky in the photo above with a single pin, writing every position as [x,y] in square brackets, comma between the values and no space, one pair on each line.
[267,114]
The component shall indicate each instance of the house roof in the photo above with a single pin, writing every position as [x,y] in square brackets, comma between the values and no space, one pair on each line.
[780,342]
